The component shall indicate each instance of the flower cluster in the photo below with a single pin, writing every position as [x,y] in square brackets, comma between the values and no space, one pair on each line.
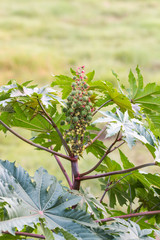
[78,112]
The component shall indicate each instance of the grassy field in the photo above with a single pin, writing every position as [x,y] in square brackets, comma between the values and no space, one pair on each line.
[44,37]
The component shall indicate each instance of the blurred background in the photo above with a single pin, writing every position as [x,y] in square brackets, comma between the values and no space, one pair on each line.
[39,38]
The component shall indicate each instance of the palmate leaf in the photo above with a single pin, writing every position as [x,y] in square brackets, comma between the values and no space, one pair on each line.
[148,97]
[42,198]
[119,98]
[130,230]
[64,82]
[91,203]
[15,91]
[131,128]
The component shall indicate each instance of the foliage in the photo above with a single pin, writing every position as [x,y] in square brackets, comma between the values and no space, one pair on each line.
[61,124]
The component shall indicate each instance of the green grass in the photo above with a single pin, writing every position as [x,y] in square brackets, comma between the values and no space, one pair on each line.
[44,37]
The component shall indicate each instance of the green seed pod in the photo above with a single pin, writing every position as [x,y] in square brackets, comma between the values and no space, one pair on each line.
[70,110]
[69,104]
[74,84]
[85,85]
[73,93]
[74,105]
[85,98]
[90,104]
[62,122]
[78,104]
[64,109]
[68,119]
[89,118]
[69,98]
[84,113]
[87,108]
[90,93]
[75,119]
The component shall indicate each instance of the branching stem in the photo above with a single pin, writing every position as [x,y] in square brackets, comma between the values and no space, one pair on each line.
[36,145]
[63,170]
[101,160]
[115,172]
[109,188]
[101,106]
[130,215]
[57,129]
[94,139]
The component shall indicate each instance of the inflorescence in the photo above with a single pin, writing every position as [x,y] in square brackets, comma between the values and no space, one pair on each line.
[78,112]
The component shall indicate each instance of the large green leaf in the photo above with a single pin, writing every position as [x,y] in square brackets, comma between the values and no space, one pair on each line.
[132,129]
[92,204]
[64,82]
[148,97]
[29,200]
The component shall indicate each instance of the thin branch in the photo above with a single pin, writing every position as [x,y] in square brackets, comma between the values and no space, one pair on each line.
[150,209]
[101,106]
[129,216]
[98,135]
[117,147]
[101,160]
[36,145]
[27,234]
[116,172]
[57,129]
[63,170]
[109,188]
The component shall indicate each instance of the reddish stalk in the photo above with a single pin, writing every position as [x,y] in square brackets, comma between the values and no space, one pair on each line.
[101,160]
[101,106]
[129,216]
[94,139]
[57,129]
[115,172]
[71,159]
[109,188]
[64,171]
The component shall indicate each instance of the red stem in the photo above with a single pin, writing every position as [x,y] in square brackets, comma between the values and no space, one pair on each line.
[109,188]
[101,106]
[72,159]
[130,215]
[64,171]
[115,172]
[101,160]
[94,139]
[57,129]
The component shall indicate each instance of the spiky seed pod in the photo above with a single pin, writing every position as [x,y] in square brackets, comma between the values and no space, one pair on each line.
[89,118]
[70,110]
[75,119]
[73,93]
[64,109]
[88,108]
[85,98]
[84,113]
[90,93]
[68,119]
[69,98]
[62,122]
[74,84]
[78,104]
[85,86]
[90,104]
